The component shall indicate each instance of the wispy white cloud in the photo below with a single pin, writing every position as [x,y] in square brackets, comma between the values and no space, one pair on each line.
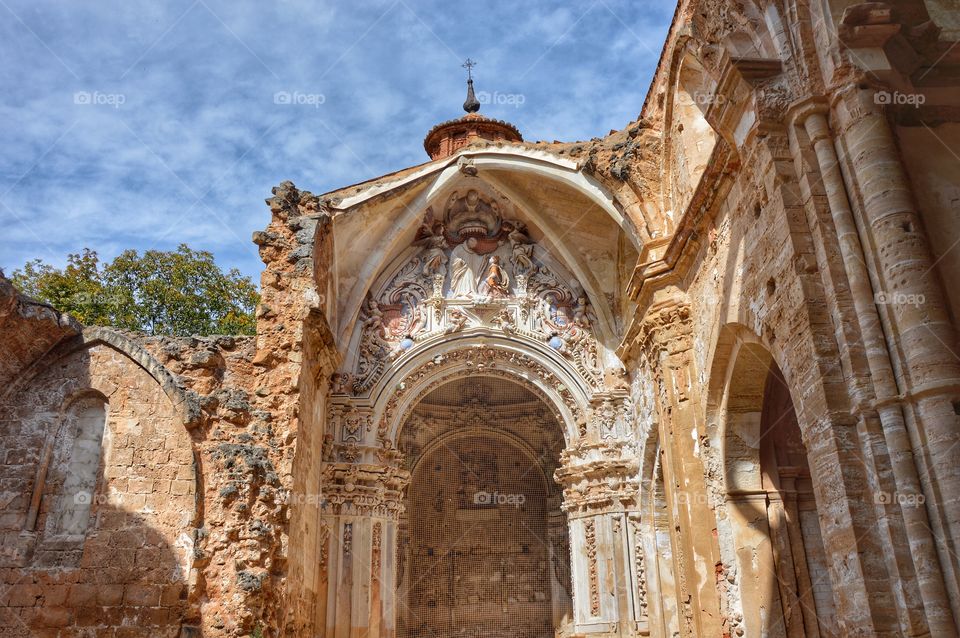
[143,124]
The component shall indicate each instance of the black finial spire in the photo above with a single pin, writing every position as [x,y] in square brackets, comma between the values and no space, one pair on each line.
[472,104]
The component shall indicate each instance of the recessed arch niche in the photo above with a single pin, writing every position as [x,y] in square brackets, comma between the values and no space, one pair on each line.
[484,547]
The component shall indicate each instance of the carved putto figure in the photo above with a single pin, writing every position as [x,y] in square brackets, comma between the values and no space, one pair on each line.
[504,320]
[522,248]
[583,315]
[374,322]
[457,320]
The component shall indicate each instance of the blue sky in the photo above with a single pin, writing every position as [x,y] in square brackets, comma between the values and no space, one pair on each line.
[144,124]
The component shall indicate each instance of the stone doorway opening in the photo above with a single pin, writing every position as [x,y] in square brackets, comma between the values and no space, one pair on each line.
[483,544]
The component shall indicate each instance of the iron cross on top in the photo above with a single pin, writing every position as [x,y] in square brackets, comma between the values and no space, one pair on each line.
[468,65]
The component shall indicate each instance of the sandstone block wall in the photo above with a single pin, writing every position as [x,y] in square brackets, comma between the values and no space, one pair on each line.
[131,563]
[793,226]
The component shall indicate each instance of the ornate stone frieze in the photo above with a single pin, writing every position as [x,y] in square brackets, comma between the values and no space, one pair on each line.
[610,416]
[350,422]
[593,584]
[324,543]
[640,572]
[601,475]
[668,327]
[375,549]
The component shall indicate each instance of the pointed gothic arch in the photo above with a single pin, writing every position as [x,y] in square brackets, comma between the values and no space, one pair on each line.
[402,203]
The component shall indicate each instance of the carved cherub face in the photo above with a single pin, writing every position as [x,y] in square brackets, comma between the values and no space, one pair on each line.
[495,260]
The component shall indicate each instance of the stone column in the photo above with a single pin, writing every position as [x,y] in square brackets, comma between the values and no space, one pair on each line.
[812,117]
[789,478]
[362,503]
[921,331]
[666,341]
[599,476]
[561,593]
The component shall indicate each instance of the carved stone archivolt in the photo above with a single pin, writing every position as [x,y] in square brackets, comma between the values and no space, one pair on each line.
[490,361]
[470,267]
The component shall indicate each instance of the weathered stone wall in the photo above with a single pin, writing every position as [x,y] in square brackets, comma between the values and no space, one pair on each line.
[795,227]
[130,565]
[802,250]
[206,489]
[929,156]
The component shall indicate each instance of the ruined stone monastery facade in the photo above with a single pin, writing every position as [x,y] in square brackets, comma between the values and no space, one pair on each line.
[698,377]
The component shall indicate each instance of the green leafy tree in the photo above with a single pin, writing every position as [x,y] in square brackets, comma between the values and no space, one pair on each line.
[180,292]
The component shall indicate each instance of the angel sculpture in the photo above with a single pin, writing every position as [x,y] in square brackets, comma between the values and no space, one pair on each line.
[583,316]
[456,321]
[374,321]
[496,281]
[435,247]
[522,249]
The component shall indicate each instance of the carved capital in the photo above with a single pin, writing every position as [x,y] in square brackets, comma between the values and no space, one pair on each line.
[599,477]
[363,489]
[667,327]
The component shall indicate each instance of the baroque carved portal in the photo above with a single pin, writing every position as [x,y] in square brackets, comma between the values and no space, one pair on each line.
[479,443]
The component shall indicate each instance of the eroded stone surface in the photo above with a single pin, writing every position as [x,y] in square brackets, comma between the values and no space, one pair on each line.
[727,322]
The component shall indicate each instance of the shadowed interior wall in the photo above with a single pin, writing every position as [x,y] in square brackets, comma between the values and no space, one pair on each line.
[484,544]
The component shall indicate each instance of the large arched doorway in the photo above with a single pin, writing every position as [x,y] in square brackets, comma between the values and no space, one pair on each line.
[770,535]
[474,335]
[483,543]
[800,559]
